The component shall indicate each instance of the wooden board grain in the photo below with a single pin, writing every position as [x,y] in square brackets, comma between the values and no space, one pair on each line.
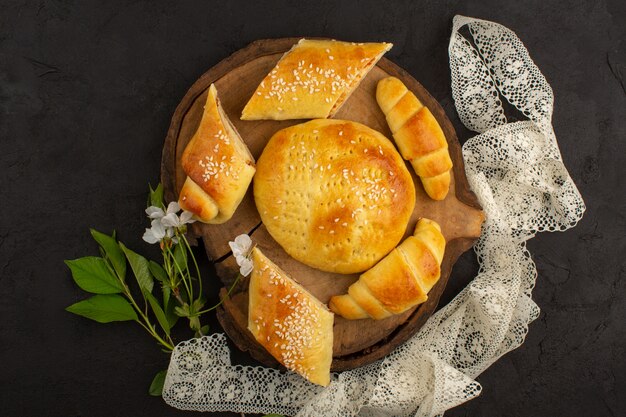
[356,342]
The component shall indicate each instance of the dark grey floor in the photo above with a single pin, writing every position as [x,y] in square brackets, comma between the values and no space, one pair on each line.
[86,94]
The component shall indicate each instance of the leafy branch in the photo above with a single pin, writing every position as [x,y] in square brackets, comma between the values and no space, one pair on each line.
[105,276]
[181,292]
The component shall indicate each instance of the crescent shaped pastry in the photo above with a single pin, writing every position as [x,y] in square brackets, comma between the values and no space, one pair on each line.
[399,281]
[313,80]
[289,322]
[417,134]
[218,165]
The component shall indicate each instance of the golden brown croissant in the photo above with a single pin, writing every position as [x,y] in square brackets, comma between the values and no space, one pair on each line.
[289,322]
[218,165]
[399,281]
[417,134]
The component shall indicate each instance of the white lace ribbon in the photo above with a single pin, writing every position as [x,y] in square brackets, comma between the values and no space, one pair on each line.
[518,175]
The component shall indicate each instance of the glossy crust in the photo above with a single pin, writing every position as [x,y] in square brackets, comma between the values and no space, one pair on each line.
[313,80]
[218,165]
[399,281]
[289,322]
[417,134]
[326,189]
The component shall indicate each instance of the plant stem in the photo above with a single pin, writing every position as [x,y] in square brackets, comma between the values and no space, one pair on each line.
[148,326]
[180,271]
[232,287]
[169,344]
[194,319]
[194,262]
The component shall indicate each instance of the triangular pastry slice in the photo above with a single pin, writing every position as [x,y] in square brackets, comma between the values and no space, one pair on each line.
[289,322]
[218,165]
[313,80]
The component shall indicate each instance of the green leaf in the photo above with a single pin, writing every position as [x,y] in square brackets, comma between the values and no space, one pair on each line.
[204,330]
[156,387]
[112,250]
[180,257]
[197,305]
[141,269]
[158,312]
[168,306]
[182,311]
[172,318]
[156,196]
[167,293]
[92,275]
[104,308]
[158,272]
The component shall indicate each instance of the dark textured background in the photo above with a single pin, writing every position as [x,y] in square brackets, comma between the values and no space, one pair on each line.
[86,95]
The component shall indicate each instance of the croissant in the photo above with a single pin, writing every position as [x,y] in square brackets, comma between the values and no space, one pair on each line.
[399,281]
[417,134]
[218,165]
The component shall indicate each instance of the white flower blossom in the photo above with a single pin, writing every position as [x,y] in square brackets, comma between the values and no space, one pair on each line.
[241,248]
[245,266]
[155,233]
[164,223]
[172,220]
[157,212]
[241,245]
[186,217]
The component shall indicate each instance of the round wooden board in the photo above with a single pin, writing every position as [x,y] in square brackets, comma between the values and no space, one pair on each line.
[356,342]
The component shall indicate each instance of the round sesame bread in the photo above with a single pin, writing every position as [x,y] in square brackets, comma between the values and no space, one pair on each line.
[335,194]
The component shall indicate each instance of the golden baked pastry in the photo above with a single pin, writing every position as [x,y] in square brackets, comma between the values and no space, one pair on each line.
[335,194]
[313,80]
[417,134]
[399,281]
[218,165]
[289,322]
